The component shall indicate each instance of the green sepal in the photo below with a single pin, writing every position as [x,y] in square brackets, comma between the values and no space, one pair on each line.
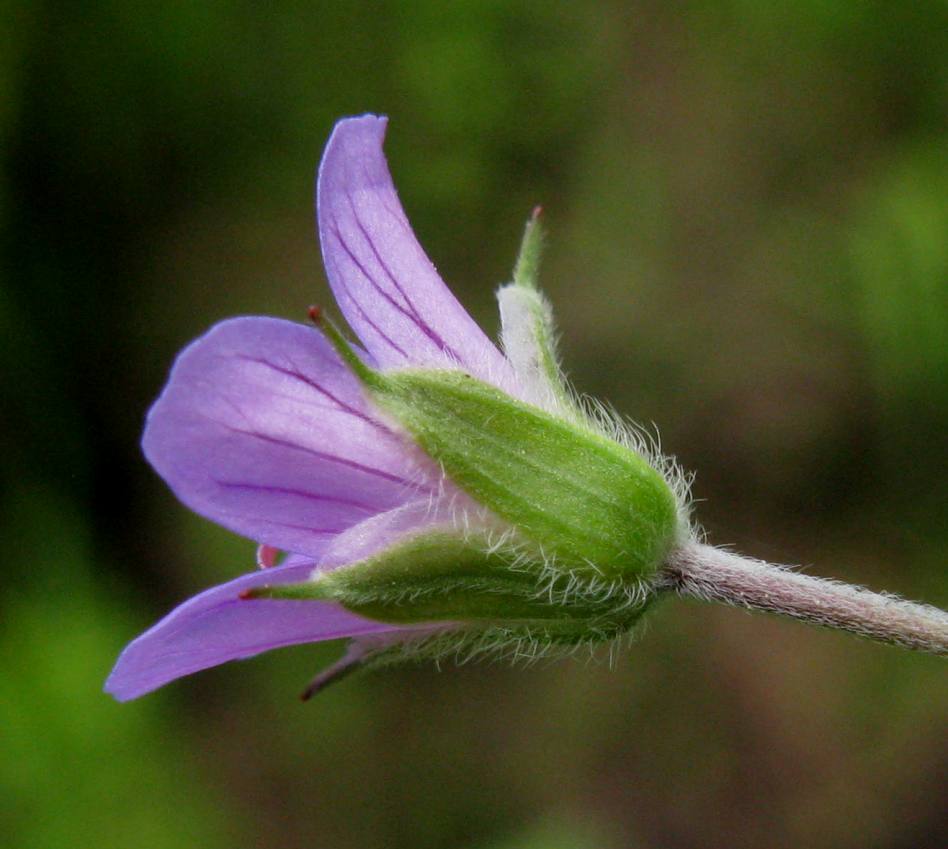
[305,591]
[529,341]
[444,577]
[587,503]
[527,269]
[528,334]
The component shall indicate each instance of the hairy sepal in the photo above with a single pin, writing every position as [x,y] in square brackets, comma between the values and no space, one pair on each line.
[529,341]
[471,584]
[527,332]
[589,505]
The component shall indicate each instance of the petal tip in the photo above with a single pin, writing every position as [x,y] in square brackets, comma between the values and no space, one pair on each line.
[353,140]
[124,686]
[357,126]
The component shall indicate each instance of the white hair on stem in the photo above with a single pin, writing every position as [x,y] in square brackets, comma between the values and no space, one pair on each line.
[713,574]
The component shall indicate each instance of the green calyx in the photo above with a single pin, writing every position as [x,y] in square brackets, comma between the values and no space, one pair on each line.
[587,504]
[579,502]
[440,576]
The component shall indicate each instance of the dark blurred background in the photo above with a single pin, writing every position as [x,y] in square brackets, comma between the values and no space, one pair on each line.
[748,209]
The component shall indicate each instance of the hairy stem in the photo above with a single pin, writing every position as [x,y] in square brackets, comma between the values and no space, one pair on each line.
[704,572]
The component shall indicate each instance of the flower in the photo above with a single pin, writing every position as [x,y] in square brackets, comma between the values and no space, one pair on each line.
[434,495]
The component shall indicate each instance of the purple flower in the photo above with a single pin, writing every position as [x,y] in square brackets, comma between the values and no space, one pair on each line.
[264,428]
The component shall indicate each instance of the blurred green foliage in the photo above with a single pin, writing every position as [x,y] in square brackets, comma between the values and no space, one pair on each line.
[748,205]
[76,771]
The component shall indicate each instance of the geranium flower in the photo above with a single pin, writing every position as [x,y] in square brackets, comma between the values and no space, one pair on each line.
[434,495]
[265,428]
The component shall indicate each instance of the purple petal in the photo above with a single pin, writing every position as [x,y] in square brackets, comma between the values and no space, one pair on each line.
[262,429]
[386,286]
[217,626]
[378,532]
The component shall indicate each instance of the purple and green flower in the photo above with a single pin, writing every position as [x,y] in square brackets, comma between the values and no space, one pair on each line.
[435,495]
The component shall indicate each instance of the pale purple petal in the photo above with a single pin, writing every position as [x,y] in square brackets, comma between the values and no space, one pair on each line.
[421,516]
[262,429]
[217,626]
[386,286]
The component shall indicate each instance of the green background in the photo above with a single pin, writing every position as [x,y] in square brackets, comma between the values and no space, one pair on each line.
[748,209]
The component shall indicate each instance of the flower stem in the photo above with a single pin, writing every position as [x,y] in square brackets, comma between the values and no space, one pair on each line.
[712,574]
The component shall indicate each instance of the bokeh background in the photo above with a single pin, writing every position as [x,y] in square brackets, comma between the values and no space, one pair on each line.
[748,209]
